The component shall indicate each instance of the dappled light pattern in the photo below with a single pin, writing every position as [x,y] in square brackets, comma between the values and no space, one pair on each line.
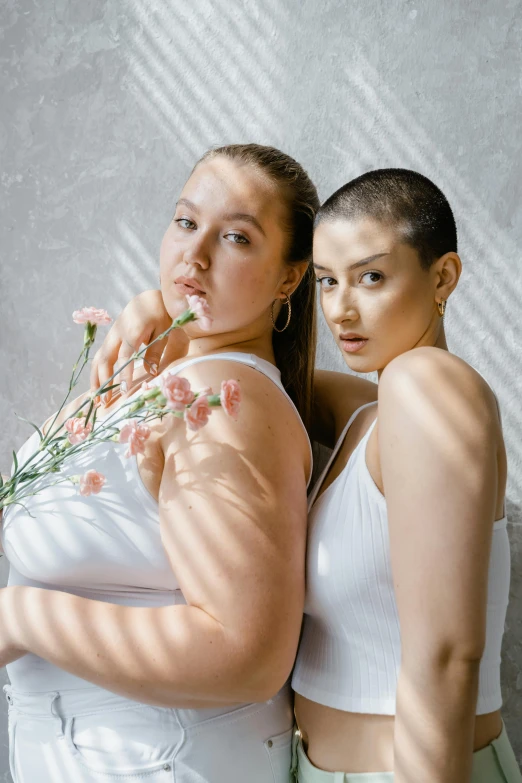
[108,110]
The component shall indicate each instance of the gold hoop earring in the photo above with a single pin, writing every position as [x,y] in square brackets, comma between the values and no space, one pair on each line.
[287,318]
[441,307]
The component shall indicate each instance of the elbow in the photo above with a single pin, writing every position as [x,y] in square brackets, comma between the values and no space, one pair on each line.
[264,671]
[464,652]
[455,659]
[261,680]
[269,684]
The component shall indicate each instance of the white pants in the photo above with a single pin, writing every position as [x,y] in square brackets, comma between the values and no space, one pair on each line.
[90,735]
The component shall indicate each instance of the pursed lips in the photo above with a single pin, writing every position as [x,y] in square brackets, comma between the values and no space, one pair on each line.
[189,285]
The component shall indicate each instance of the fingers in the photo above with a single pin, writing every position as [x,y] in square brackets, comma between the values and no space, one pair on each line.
[101,369]
[113,352]
[152,356]
[94,381]
[104,368]
[126,375]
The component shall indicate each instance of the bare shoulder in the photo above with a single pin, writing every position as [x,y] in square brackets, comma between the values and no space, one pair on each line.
[256,387]
[267,421]
[431,379]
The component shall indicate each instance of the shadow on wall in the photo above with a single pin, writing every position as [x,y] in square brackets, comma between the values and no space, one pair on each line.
[196,87]
[173,51]
[5,777]
[476,314]
[511,661]
[214,73]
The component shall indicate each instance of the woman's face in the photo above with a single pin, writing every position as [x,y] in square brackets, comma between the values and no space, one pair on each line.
[226,243]
[377,299]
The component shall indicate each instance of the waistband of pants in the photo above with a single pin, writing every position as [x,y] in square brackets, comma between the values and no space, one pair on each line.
[91,700]
[486,763]
[306,772]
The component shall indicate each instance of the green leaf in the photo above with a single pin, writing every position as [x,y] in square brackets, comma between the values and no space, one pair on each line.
[15,460]
[38,430]
[110,388]
[91,408]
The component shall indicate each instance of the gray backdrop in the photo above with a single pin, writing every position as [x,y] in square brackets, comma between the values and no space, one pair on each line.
[106,105]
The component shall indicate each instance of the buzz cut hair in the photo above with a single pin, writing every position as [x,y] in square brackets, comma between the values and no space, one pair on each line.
[402,199]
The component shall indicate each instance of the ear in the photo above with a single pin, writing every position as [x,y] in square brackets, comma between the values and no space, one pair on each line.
[293,275]
[447,271]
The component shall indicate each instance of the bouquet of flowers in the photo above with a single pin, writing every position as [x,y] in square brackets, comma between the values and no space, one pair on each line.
[171,397]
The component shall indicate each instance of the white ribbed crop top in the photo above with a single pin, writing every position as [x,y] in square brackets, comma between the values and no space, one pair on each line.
[350,649]
[105,547]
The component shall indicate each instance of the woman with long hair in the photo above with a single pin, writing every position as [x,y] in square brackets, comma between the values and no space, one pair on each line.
[398,670]
[149,630]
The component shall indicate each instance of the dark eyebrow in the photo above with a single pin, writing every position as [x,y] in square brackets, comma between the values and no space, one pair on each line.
[357,264]
[247,218]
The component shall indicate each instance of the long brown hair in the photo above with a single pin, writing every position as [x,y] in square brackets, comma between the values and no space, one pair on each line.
[294,349]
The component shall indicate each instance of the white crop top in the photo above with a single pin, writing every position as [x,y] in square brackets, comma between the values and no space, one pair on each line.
[105,547]
[350,649]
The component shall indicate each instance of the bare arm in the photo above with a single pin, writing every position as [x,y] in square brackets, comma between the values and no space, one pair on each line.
[438,435]
[233,522]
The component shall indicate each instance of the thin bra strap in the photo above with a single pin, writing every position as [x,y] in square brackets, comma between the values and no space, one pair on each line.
[340,441]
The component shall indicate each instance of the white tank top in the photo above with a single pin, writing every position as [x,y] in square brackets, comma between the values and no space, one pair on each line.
[350,649]
[106,547]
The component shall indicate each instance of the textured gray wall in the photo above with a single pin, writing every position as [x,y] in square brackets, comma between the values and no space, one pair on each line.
[106,105]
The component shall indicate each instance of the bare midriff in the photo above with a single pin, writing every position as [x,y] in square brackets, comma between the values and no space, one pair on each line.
[338,741]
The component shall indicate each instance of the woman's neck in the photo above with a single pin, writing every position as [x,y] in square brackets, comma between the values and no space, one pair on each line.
[260,346]
[436,340]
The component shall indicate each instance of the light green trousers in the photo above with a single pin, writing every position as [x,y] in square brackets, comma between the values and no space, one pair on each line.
[494,764]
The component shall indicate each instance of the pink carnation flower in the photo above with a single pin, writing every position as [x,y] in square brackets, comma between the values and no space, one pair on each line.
[77,429]
[92,315]
[135,434]
[231,398]
[197,415]
[91,483]
[201,310]
[177,391]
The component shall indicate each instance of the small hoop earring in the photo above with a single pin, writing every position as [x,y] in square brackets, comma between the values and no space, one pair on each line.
[287,318]
[441,307]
